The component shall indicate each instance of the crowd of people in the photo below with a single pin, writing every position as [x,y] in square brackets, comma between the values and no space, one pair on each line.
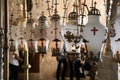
[70,65]
[75,66]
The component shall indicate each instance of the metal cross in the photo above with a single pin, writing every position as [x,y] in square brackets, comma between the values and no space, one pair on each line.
[68,36]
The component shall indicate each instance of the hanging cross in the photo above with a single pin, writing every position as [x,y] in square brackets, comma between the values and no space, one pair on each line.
[94,30]
[68,36]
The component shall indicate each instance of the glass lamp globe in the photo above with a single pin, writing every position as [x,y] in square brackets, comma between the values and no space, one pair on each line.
[70,34]
[41,28]
[54,35]
[14,32]
[41,35]
[22,44]
[94,32]
[29,36]
[115,32]
[12,44]
[42,46]
[56,47]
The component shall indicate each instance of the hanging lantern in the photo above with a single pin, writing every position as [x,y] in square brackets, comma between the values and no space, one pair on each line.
[12,45]
[41,29]
[94,32]
[41,35]
[32,46]
[54,35]
[115,40]
[41,46]
[14,32]
[56,47]
[70,34]
[29,36]
[22,44]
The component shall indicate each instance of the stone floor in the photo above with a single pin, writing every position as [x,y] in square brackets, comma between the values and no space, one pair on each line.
[107,70]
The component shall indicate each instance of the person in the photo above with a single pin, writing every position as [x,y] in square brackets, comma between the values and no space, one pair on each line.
[93,71]
[14,64]
[61,60]
[61,72]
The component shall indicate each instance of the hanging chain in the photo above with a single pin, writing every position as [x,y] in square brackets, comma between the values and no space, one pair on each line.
[65,11]
[48,7]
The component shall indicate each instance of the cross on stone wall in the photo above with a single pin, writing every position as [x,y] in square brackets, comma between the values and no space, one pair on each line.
[68,36]
[94,30]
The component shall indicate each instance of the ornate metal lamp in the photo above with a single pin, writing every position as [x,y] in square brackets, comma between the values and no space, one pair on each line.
[70,33]
[12,45]
[114,32]
[56,42]
[29,35]
[54,33]
[11,40]
[94,31]
[41,35]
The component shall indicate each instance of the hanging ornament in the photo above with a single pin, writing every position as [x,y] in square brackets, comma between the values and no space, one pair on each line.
[41,28]
[29,36]
[70,34]
[12,45]
[41,35]
[115,40]
[22,44]
[54,35]
[94,31]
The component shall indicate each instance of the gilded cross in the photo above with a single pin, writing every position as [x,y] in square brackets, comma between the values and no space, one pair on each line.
[94,30]
[68,36]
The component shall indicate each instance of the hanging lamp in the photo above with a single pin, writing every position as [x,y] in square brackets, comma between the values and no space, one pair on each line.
[115,40]
[41,35]
[70,33]
[54,33]
[94,31]
[29,35]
